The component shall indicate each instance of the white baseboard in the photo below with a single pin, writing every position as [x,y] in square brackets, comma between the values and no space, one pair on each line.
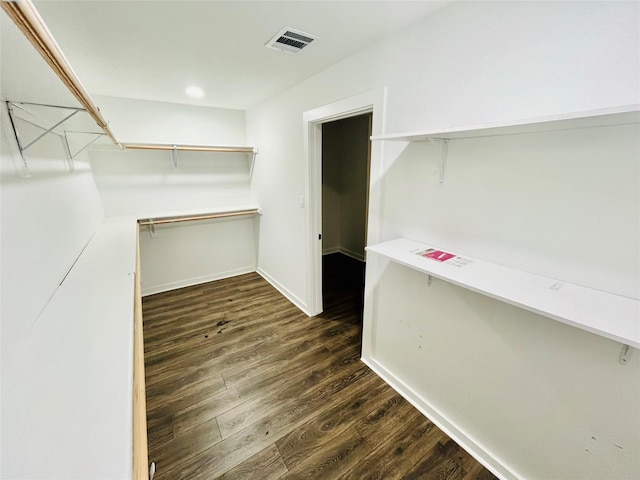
[352,254]
[344,251]
[499,469]
[284,291]
[188,282]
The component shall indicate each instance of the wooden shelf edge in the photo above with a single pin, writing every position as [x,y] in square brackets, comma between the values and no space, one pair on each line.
[140,445]
[191,148]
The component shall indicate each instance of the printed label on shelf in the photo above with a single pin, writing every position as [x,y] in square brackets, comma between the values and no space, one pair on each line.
[437,255]
[442,256]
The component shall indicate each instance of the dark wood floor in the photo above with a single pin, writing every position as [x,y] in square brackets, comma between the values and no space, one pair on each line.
[241,384]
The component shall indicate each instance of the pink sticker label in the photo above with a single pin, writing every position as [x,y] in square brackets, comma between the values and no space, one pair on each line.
[437,255]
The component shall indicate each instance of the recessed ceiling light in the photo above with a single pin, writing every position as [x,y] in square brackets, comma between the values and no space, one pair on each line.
[194,92]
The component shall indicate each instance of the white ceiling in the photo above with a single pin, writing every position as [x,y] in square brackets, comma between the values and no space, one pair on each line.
[154,49]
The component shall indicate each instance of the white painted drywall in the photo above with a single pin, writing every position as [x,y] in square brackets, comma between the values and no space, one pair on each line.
[144,121]
[546,203]
[46,220]
[145,184]
[545,399]
[345,157]
[178,255]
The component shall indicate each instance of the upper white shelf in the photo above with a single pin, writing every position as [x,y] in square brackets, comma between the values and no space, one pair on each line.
[623,115]
[605,314]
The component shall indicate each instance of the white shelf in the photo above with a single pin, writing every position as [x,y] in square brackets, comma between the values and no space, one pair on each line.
[69,386]
[605,314]
[628,114]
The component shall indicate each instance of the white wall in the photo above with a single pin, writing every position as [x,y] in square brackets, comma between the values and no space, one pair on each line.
[178,255]
[468,63]
[345,161]
[144,121]
[46,220]
[543,203]
[145,184]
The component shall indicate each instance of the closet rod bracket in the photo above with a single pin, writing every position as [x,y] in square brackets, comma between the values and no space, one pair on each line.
[174,156]
[253,161]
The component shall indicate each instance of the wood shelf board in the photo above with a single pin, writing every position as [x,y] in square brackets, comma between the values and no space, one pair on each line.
[158,215]
[609,315]
[194,148]
[629,114]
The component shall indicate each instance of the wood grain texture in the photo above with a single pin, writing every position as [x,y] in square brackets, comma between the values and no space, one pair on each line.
[241,384]
[140,452]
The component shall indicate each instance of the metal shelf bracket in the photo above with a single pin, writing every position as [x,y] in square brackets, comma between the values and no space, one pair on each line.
[64,136]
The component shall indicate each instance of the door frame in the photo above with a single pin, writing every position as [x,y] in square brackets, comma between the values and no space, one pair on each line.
[372,102]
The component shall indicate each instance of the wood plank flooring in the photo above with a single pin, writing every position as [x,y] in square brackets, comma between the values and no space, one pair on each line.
[241,384]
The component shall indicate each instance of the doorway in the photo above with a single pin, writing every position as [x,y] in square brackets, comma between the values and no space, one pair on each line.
[368,102]
[346,155]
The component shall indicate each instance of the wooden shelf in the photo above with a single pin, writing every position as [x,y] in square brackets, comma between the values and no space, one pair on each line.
[628,114]
[605,314]
[159,216]
[190,148]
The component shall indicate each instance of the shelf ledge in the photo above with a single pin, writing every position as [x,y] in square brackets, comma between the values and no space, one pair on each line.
[623,115]
[606,314]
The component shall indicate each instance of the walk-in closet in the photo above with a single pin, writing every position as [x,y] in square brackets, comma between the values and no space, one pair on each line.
[307,239]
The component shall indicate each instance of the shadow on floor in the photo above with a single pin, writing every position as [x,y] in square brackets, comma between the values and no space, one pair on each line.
[342,288]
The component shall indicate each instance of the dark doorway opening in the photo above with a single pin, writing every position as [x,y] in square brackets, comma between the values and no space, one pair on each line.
[346,154]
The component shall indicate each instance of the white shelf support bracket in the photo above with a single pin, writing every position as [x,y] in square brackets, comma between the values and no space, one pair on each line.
[625,354]
[253,161]
[444,153]
[152,230]
[174,156]
[443,159]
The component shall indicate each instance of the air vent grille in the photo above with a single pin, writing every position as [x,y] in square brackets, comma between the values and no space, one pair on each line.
[289,40]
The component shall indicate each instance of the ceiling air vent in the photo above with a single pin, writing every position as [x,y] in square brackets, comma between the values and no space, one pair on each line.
[290,40]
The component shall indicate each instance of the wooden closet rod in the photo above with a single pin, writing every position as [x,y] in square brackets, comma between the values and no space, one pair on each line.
[160,221]
[28,20]
[191,148]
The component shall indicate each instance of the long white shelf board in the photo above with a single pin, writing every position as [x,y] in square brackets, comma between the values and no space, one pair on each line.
[605,314]
[69,387]
[627,114]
